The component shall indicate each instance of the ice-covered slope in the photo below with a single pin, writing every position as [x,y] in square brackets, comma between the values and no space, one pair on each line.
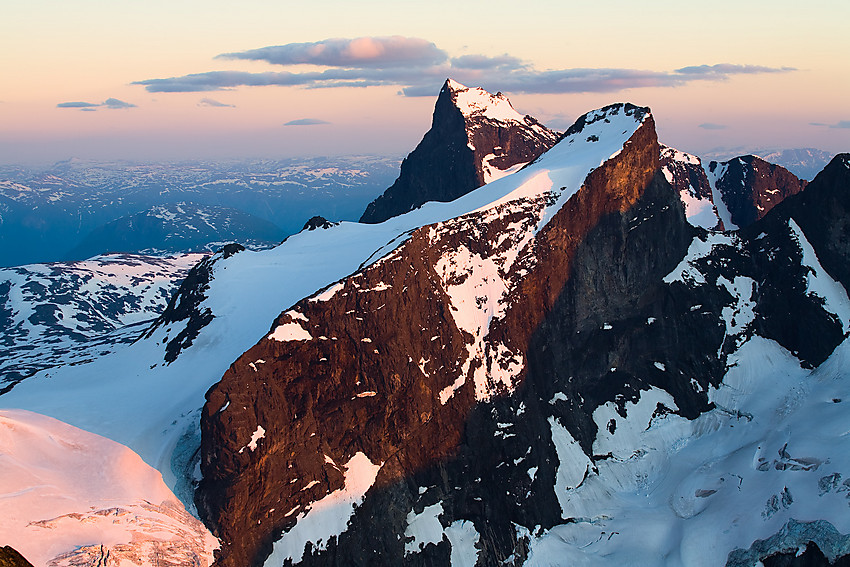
[65,313]
[68,497]
[475,138]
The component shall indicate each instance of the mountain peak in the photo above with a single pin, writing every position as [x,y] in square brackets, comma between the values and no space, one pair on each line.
[475,102]
[475,138]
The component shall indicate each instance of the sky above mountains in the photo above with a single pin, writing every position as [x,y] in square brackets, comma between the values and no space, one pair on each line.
[269,78]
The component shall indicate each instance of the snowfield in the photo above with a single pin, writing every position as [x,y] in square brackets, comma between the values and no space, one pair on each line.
[65,494]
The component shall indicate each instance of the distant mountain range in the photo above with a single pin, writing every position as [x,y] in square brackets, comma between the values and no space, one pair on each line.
[180,227]
[70,211]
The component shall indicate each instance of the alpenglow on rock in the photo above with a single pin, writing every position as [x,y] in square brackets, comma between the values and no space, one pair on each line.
[475,138]
[548,378]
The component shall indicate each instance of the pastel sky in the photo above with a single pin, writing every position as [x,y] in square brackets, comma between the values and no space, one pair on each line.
[177,79]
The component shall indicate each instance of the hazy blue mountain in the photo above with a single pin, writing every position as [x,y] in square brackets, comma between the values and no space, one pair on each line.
[45,213]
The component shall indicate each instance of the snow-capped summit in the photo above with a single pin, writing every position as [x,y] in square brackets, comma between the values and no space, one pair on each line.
[475,138]
[475,102]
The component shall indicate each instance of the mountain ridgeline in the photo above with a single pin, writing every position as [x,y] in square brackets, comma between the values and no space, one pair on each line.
[475,137]
[471,396]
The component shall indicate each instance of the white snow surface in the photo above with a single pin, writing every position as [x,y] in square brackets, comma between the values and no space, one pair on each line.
[734,475]
[479,285]
[66,312]
[463,537]
[492,173]
[291,331]
[329,516]
[65,492]
[423,528]
[717,195]
[478,102]
[819,283]
[699,212]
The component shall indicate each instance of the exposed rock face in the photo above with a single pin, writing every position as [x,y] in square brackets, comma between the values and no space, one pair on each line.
[11,558]
[823,212]
[453,390]
[750,187]
[475,137]
[727,195]
[317,222]
[686,174]
[70,313]
[797,544]
[405,402]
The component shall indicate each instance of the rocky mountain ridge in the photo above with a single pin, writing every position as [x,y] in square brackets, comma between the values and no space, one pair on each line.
[58,314]
[516,307]
[730,194]
[475,137]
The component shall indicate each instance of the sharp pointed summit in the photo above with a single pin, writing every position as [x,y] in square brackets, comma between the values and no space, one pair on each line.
[476,137]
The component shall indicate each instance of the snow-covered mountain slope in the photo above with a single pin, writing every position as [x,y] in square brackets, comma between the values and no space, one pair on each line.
[179,228]
[73,498]
[519,384]
[686,174]
[243,293]
[727,195]
[392,360]
[46,212]
[475,138]
[437,405]
[66,313]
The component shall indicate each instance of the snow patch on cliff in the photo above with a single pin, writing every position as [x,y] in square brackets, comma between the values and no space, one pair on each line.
[329,516]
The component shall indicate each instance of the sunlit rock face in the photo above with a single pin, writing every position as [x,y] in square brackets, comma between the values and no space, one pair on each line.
[475,138]
[501,386]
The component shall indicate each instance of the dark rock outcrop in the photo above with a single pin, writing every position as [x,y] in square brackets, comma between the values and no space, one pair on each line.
[185,305]
[750,187]
[405,402]
[317,222]
[823,212]
[474,135]
[686,174]
[11,558]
